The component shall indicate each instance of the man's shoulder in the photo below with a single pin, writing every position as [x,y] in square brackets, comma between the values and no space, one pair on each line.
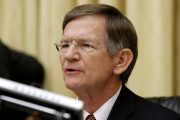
[130,106]
[152,110]
[135,107]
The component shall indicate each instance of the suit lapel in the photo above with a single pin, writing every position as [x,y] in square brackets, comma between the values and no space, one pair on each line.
[124,105]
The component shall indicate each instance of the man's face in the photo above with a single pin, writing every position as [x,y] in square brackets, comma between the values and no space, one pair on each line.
[82,69]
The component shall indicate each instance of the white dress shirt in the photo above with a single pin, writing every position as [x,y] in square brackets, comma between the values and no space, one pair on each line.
[103,112]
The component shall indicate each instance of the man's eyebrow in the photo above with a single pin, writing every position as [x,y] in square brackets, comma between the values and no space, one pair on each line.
[78,40]
[64,40]
[84,40]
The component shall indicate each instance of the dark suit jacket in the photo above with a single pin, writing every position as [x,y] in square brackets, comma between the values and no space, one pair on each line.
[129,106]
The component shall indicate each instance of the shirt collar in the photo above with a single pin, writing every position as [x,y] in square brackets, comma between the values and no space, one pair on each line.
[105,108]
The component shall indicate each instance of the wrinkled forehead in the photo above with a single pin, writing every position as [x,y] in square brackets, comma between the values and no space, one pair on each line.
[87,27]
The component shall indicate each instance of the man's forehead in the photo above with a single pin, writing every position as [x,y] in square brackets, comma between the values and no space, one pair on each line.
[84,28]
[85,20]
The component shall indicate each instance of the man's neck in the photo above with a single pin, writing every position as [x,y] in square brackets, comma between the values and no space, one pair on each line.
[93,99]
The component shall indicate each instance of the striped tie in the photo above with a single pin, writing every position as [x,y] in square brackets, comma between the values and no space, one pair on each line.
[90,117]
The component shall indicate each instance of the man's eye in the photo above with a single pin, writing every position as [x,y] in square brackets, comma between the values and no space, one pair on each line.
[64,46]
[86,45]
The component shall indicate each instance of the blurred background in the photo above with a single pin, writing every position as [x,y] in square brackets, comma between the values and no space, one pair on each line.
[32,27]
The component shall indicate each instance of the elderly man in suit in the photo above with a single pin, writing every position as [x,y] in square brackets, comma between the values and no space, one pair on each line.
[98,51]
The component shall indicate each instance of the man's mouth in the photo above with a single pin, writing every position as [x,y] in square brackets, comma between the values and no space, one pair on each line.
[70,70]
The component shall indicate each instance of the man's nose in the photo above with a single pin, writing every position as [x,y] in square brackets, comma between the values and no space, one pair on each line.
[72,53]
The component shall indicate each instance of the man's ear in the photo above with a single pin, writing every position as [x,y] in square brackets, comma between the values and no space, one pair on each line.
[122,60]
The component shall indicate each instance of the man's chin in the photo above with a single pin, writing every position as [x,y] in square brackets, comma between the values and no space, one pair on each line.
[71,85]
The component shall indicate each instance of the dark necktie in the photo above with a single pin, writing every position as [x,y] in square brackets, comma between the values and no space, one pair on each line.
[90,117]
